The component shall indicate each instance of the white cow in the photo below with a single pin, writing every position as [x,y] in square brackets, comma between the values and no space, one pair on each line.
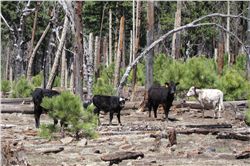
[208,96]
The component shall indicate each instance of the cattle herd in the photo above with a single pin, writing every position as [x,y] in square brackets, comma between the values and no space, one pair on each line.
[155,96]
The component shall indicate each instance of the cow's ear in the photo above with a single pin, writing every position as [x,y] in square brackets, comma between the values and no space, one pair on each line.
[177,83]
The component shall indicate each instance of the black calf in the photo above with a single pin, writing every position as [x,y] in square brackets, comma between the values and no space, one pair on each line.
[37,98]
[111,104]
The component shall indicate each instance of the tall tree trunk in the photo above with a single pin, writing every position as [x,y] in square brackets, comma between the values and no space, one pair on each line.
[227,46]
[104,51]
[32,57]
[33,30]
[78,59]
[110,37]
[96,59]
[248,43]
[90,68]
[58,54]
[176,42]
[123,58]
[136,43]
[7,64]
[131,47]
[63,68]
[150,38]
[220,58]
[119,52]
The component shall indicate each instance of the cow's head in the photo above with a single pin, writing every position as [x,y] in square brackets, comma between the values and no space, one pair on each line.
[122,101]
[192,91]
[171,86]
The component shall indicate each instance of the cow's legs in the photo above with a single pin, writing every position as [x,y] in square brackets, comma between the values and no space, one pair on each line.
[118,117]
[202,109]
[166,111]
[149,110]
[37,119]
[37,114]
[110,117]
[155,110]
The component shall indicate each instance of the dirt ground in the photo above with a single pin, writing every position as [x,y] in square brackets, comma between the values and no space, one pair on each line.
[194,149]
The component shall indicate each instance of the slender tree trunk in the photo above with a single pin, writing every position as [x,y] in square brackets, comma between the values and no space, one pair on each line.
[116,38]
[71,82]
[248,43]
[119,52]
[110,37]
[123,58]
[58,53]
[176,43]
[32,57]
[227,48]
[131,47]
[7,62]
[90,68]
[78,59]
[150,39]
[33,30]
[63,68]
[136,43]
[104,51]
[96,59]
[220,59]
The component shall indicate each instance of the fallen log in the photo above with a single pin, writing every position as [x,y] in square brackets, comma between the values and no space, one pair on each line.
[243,155]
[158,136]
[231,135]
[51,150]
[196,105]
[198,131]
[117,157]
[16,100]
[23,108]
[210,126]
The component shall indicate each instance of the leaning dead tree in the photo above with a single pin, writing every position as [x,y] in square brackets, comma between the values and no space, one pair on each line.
[193,24]
[58,54]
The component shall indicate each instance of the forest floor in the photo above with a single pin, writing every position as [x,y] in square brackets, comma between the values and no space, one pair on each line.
[18,132]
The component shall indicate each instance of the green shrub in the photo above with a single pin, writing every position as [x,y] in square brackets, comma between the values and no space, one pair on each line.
[22,88]
[199,72]
[68,107]
[5,86]
[47,130]
[37,80]
[104,88]
[233,85]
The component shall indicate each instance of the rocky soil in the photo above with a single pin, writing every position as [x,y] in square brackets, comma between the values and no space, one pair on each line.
[21,144]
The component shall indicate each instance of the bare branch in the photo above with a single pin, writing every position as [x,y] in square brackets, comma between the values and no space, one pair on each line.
[11,29]
[190,25]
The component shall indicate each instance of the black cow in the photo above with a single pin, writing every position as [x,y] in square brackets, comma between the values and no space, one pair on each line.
[37,98]
[111,104]
[161,95]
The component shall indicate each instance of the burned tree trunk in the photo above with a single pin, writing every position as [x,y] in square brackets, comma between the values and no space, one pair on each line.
[150,39]
[176,43]
[110,58]
[78,59]
[119,52]
[220,59]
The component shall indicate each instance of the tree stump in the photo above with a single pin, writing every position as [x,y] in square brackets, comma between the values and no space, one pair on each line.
[172,137]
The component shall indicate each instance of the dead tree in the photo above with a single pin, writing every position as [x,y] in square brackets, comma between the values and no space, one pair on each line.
[110,58]
[193,24]
[248,43]
[119,52]
[58,54]
[176,42]
[90,67]
[150,39]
